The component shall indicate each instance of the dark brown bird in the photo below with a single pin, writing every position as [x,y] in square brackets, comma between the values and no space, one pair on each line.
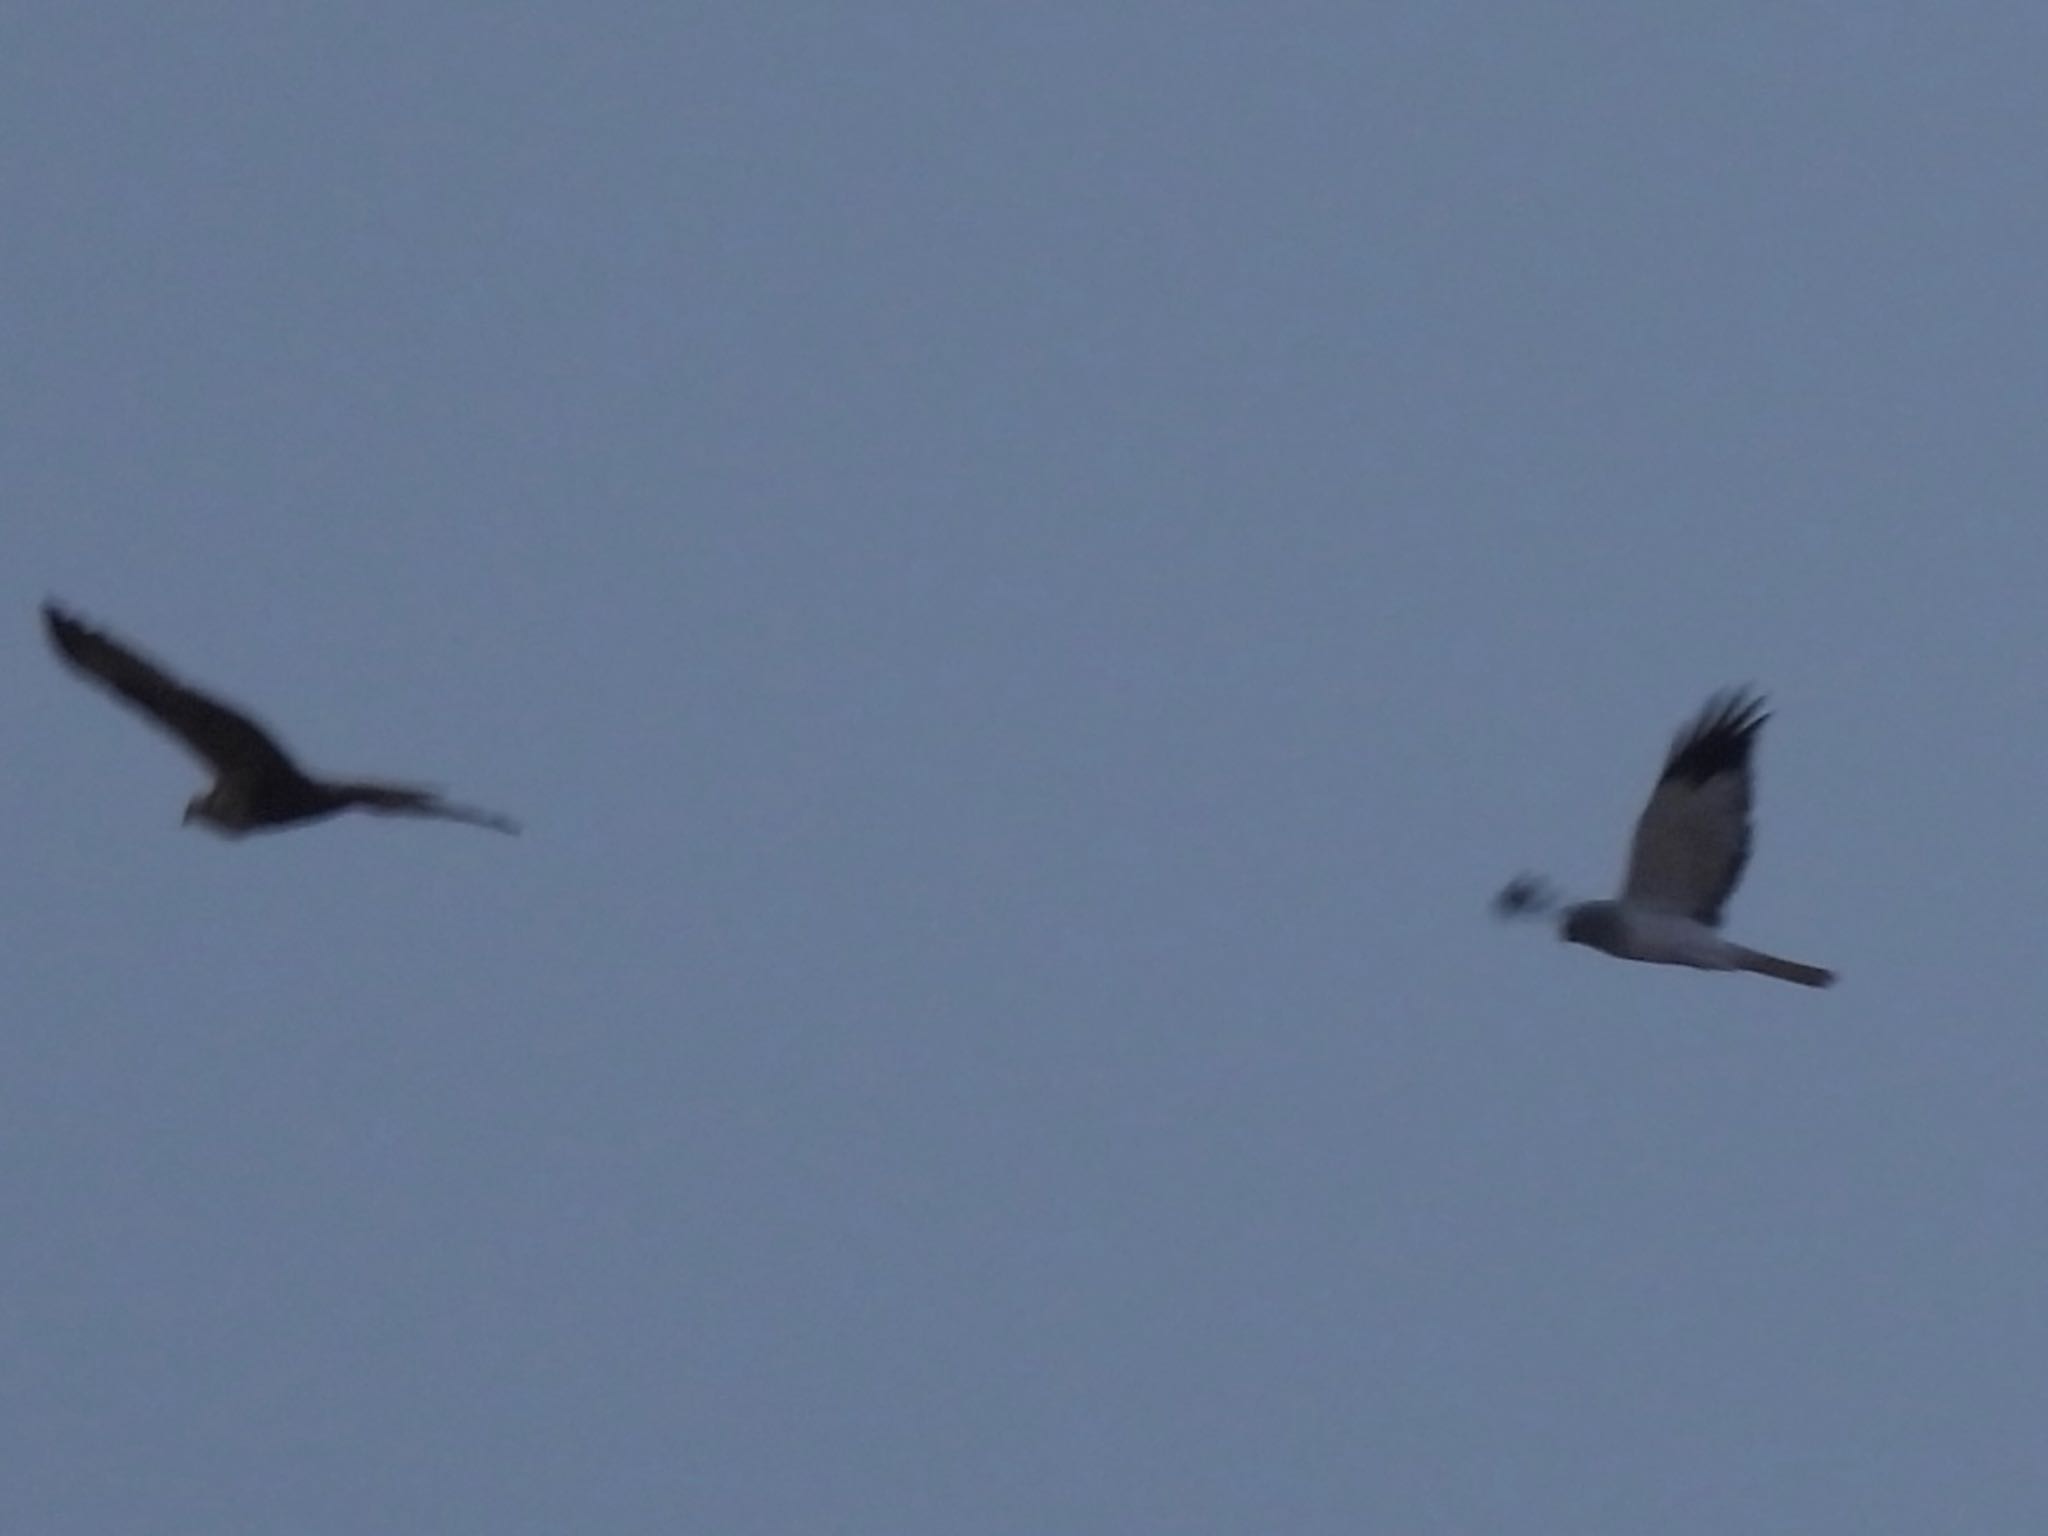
[256,786]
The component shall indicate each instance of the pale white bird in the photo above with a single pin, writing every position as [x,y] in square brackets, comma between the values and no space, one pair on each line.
[1691,844]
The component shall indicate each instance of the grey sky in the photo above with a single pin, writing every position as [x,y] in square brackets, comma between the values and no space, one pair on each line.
[1029,570]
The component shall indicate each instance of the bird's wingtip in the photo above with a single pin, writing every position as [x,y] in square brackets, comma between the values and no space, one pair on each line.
[62,627]
[1524,896]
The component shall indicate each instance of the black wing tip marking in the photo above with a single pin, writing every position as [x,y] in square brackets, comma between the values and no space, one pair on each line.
[1524,896]
[76,641]
[68,631]
[1718,741]
[94,651]
[64,627]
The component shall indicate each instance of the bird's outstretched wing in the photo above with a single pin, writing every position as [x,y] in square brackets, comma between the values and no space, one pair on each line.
[230,741]
[1693,838]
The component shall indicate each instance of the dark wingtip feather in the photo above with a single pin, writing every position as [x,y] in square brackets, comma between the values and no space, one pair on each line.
[1720,740]
[66,632]
[1524,896]
[90,650]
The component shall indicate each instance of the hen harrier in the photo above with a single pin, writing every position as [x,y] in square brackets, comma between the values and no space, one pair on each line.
[1690,846]
[256,785]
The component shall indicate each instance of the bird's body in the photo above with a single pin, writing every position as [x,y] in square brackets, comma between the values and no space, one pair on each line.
[1642,933]
[1691,845]
[233,807]
[1670,938]
[257,787]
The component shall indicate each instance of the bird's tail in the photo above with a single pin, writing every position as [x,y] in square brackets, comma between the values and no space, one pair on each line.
[1784,970]
[411,800]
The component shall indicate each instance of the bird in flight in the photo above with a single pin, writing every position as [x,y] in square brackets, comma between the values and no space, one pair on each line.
[256,786]
[1691,844]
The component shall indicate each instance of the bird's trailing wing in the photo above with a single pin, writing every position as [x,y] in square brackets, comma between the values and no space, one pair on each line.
[1693,837]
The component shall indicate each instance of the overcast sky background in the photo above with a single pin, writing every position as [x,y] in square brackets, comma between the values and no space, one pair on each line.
[1030,570]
